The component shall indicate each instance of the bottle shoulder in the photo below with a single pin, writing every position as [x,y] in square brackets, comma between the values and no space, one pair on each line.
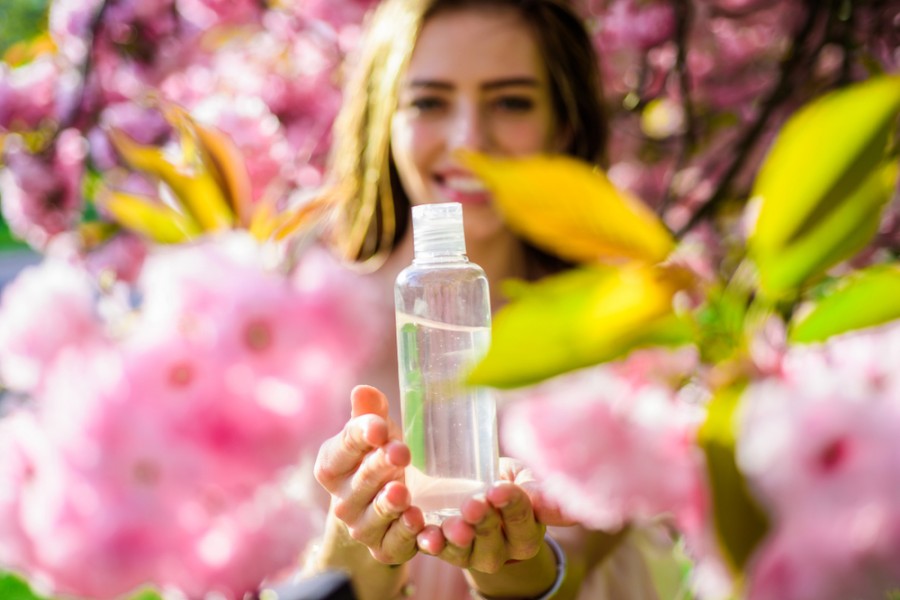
[438,272]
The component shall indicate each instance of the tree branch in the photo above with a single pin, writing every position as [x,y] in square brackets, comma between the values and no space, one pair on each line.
[751,134]
[688,141]
[69,119]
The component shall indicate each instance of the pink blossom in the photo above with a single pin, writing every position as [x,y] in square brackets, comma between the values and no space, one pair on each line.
[41,193]
[120,258]
[807,450]
[817,442]
[268,359]
[45,312]
[842,554]
[69,24]
[18,436]
[183,429]
[663,366]
[739,7]
[598,443]
[258,135]
[336,14]
[204,14]
[637,24]
[225,555]
[135,24]
[32,95]
[57,529]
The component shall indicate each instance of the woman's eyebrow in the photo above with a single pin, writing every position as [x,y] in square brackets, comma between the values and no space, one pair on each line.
[510,82]
[437,84]
[430,84]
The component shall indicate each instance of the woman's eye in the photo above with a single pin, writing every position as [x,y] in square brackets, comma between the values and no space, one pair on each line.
[514,103]
[427,104]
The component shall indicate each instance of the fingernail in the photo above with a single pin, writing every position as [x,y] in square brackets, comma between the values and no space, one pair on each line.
[424,545]
[505,498]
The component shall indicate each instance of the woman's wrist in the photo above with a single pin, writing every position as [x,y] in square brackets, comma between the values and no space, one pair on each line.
[371,579]
[538,578]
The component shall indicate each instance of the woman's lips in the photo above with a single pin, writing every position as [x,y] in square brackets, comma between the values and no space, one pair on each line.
[462,188]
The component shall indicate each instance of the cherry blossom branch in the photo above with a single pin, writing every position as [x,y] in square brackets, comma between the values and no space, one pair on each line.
[84,70]
[683,17]
[790,66]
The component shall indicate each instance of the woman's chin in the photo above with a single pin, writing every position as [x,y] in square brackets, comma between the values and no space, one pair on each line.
[483,224]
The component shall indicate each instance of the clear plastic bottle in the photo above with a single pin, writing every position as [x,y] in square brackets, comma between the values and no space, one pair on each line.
[443,329]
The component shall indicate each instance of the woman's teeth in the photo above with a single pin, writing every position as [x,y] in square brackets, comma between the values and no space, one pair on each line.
[464,184]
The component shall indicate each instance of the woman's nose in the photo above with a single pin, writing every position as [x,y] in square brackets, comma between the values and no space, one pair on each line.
[469,130]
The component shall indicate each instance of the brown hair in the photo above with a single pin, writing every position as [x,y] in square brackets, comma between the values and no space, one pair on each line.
[371,207]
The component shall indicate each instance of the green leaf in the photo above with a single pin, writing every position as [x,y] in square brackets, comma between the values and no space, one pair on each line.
[829,155]
[12,587]
[821,154]
[580,318]
[191,180]
[720,325]
[146,594]
[839,235]
[864,299]
[739,522]
[150,218]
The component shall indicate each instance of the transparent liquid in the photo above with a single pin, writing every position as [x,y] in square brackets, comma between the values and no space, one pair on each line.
[450,427]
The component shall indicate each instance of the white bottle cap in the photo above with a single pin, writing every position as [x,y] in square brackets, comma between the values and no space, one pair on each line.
[438,230]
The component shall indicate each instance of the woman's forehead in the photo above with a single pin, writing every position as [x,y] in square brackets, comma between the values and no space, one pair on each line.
[477,43]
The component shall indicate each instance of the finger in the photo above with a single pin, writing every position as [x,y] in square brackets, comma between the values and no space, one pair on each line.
[376,470]
[341,455]
[458,537]
[514,470]
[546,510]
[399,542]
[489,551]
[523,533]
[431,540]
[367,400]
[373,521]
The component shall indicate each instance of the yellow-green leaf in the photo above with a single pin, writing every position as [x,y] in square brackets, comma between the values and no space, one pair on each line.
[149,218]
[192,182]
[221,156]
[838,235]
[740,524]
[824,153]
[570,208]
[580,318]
[864,299]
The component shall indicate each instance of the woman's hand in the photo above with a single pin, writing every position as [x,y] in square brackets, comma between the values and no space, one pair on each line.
[505,524]
[362,469]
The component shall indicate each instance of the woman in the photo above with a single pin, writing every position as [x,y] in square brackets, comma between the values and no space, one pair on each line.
[502,77]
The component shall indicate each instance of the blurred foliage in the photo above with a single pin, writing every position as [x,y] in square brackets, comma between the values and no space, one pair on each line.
[21,20]
[13,588]
[6,238]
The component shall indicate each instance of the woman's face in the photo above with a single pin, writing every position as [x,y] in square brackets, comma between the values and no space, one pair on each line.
[475,81]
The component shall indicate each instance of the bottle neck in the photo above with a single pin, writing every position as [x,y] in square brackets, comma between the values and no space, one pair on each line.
[431,258]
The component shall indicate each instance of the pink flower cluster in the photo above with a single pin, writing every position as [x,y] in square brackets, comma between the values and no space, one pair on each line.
[42,192]
[164,444]
[278,67]
[818,442]
[597,438]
